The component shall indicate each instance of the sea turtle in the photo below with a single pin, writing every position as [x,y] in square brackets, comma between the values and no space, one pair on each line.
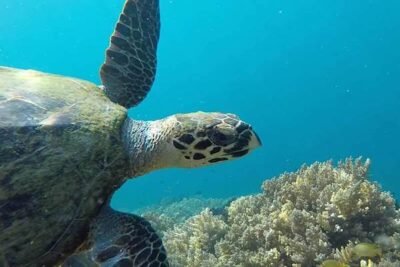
[66,145]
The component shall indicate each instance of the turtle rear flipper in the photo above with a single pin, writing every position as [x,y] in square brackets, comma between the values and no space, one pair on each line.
[121,239]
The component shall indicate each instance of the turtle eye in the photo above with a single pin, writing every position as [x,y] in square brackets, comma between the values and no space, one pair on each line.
[223,135]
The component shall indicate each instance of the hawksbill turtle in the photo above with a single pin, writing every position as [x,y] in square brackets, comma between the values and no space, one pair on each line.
[66,145]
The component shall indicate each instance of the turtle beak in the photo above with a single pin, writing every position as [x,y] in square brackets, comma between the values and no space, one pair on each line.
[255,140]
[247,141]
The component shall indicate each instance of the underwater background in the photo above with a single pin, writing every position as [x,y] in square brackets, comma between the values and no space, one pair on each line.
[318,80]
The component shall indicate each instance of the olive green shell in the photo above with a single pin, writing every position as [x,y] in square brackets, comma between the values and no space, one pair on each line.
[61,157]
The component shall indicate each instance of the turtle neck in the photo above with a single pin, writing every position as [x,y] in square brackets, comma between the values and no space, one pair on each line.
[144,143]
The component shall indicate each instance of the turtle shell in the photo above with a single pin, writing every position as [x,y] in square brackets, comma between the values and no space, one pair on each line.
[61,157]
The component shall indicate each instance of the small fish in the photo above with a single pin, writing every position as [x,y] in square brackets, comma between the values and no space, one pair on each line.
[333,263]
[369,250]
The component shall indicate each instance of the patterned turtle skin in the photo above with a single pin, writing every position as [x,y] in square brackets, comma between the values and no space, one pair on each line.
[66,145]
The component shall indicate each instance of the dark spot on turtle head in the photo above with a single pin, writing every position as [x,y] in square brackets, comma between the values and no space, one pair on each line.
[242,143]
[198,156]
[217,160]
[203,144]
[187,139]
[222,138]
[215,150]
[242,127]
[246,135]
[178,145]
[187,157]
[240,153]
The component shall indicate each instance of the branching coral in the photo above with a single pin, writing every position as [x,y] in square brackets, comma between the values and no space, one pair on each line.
[345,203]
[196,239]
[169,213]
[299,220]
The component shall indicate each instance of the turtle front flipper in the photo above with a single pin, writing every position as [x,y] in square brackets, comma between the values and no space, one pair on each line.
[130,65]
[121,239]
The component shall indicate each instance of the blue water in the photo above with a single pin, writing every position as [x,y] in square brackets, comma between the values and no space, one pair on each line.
[318,79]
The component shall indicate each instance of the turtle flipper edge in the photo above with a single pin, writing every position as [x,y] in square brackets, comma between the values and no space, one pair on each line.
[121,239]
[130,65]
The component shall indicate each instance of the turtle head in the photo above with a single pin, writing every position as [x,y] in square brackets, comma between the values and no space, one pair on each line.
[187,141]
[200,138]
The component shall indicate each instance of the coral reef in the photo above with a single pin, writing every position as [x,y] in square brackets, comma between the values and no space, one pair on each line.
[314,215]
[172,212]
